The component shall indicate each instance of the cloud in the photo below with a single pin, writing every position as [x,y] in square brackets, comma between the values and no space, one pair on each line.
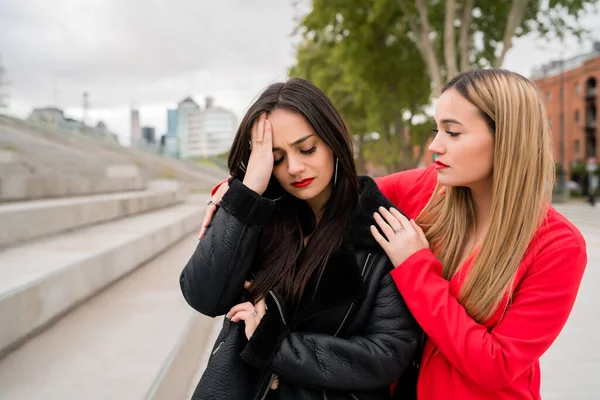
[151,53]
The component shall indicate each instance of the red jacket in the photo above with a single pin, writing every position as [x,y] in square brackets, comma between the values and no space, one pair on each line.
[466,360]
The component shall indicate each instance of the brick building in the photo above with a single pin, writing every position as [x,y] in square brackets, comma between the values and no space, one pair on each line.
[570,88]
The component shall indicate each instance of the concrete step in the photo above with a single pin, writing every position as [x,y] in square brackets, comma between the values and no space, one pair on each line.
[45,186]
[42,280]
[138,339]
[21,221]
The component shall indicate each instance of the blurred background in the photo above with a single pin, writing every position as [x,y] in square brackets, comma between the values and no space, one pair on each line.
[115,122]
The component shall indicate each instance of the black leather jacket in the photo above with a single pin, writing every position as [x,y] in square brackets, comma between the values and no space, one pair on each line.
[351,341]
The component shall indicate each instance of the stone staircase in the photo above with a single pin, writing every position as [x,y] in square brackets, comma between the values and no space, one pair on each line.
[90,304]
[38,162]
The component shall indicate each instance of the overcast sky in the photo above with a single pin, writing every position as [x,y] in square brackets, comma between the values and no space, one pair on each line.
[153,53]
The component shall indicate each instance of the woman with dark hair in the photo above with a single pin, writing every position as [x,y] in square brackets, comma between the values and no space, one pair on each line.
[320,317]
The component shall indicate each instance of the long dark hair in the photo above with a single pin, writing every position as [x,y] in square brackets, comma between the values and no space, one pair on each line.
[281,259]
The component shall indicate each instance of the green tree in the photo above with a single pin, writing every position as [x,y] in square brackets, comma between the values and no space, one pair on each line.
[454,36]
[374,75]
[381,60]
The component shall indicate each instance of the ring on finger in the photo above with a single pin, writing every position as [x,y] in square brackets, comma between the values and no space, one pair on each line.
[398,230]
[211,202]
[254,313]
[259,141]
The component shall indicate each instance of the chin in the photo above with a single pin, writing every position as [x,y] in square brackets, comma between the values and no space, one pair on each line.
[303,194]
[449,181]
[306,194]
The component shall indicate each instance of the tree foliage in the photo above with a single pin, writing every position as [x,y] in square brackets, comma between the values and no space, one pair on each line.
[380,61]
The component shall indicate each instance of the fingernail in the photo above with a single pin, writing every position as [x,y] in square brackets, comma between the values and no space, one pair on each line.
[227,315]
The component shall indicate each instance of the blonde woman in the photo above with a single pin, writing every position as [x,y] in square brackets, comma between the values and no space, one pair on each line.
[492,272]
[489,270]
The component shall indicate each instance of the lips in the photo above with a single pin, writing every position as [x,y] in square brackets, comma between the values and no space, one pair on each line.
[440,165]
[303,183]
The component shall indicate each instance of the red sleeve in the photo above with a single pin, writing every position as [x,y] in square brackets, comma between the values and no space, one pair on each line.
[214,190]
[492,358]
[409,190]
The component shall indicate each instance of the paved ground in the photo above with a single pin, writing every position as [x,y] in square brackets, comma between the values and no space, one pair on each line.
[570,369]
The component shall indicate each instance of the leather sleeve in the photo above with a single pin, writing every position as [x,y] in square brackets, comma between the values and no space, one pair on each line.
[213,279]
[373,358]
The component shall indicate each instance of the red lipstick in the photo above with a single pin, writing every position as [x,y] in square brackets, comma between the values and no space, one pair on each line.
[440,165]
[303,183]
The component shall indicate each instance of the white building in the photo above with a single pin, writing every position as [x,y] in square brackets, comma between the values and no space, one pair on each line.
[185,108]
[49,115]
[136,130]
[211,131]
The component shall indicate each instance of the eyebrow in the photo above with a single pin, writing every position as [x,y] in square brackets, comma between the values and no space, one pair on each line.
[449,121]
[296,142]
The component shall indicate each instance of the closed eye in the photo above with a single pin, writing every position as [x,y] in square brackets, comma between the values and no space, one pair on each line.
[309,151]
[450,133]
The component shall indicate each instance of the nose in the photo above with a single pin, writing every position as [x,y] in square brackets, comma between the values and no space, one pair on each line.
[295,165]
[438,145]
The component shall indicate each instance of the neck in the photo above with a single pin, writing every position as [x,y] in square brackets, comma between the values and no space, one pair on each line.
[317,203]
[482,197]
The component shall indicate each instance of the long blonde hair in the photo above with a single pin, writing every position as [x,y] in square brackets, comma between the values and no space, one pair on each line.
[523,176]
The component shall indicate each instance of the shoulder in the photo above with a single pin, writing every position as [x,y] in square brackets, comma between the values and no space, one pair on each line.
[409,190]
[557,249]
[556,232]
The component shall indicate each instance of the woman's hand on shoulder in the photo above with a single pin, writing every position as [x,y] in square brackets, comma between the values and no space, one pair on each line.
[212,206]
[401,237]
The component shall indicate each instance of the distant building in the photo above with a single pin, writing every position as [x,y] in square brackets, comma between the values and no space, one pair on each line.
[570,89]
[136,132]
[54,117]
[184,109]
[170,144]
[48,115]
[211,131]
[149,135]
[171,122]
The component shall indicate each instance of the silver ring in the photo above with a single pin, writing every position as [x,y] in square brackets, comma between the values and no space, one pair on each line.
[398,230]
[211,202]
[254,313]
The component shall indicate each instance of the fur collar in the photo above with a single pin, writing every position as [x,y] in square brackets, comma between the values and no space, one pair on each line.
[341,281]
[370,199]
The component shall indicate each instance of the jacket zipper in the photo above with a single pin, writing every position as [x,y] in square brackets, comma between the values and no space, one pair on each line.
[278,306]
[285,323]
[218,347]
[362,274]
[268,387]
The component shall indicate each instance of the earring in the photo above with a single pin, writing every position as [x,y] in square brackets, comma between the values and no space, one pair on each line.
[336,169]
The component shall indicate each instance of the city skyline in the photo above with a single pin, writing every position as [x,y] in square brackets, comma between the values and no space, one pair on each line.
[154,56]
